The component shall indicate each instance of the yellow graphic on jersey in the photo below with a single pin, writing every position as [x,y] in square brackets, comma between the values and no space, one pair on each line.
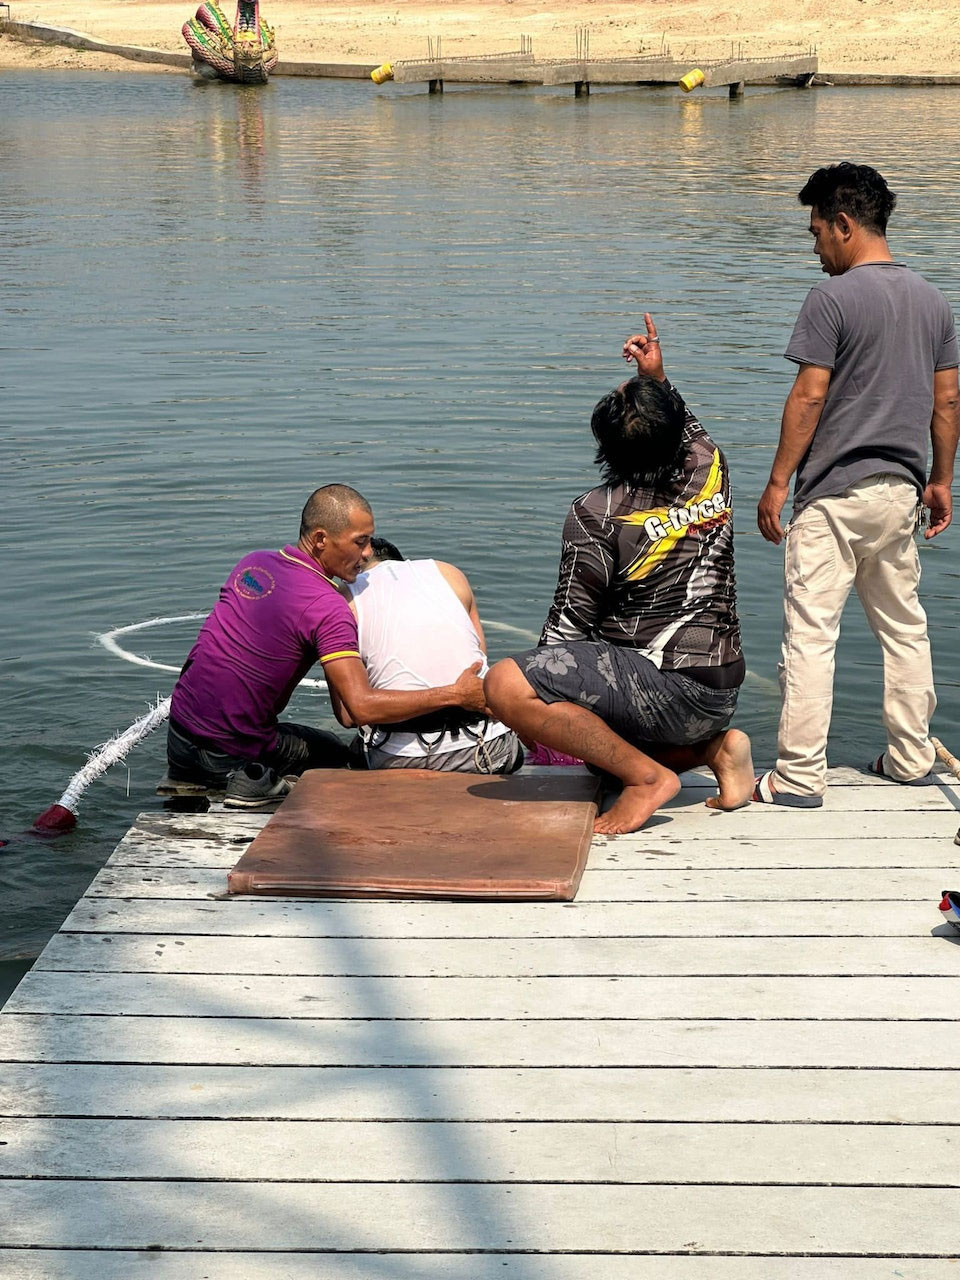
[665,526]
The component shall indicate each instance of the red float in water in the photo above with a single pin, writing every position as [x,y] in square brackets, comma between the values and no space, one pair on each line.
[55,820]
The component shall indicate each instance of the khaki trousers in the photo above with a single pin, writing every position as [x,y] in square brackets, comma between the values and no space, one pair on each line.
[864,538]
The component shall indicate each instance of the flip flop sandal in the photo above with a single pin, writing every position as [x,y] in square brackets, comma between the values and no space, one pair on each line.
[876,768]
[763,793]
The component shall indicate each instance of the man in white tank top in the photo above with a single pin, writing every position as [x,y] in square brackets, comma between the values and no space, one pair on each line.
[418,621]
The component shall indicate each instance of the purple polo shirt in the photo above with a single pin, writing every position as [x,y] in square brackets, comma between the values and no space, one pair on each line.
[277,615]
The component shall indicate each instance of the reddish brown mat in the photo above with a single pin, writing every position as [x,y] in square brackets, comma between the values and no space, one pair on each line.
[410,833]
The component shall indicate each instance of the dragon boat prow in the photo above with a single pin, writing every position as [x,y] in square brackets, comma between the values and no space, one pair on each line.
[245,53]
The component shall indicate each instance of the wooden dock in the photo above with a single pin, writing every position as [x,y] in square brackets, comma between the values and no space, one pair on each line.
[734,1057]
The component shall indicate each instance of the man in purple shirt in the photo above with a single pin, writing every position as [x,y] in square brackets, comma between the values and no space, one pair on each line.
[278,613]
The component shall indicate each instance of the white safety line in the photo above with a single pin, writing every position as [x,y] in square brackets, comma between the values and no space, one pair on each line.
[109,641]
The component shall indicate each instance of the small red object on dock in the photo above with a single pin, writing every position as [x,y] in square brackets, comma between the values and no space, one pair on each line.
[950,907]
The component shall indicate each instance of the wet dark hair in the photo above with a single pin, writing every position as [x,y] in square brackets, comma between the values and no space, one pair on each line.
[853,189]
[639,433]
[384,550]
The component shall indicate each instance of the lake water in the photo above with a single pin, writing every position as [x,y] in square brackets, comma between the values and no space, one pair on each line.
[216,299]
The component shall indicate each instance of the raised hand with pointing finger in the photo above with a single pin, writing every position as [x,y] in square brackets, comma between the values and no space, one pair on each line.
[644,349]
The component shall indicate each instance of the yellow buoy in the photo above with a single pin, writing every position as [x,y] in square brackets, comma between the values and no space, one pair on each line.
[384,72]
[692,80]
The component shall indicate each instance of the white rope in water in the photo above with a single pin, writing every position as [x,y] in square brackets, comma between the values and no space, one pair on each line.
[109,641]
[522,632]
[112,752]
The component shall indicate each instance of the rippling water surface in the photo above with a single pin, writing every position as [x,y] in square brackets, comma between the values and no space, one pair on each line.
[216,299]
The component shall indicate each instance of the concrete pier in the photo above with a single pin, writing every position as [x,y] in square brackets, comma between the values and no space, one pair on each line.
[583,72]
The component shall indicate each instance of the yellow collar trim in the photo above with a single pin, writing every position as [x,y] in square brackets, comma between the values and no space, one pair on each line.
[306,564]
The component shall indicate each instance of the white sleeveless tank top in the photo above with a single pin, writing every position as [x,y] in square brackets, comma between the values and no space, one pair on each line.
[415,634]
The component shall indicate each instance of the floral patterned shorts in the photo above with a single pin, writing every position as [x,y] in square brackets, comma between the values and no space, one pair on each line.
[636,699]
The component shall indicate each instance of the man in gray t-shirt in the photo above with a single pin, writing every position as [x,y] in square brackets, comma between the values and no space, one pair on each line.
[877,380]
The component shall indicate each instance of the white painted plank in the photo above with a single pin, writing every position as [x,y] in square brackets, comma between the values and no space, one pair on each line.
[76,1264]
[613,1042]
[658,884]
[343,918]
[837,775]
[683,1095]
[92,1265]
[847,791]
[866,796]
[727,1154]
[842,775]
[252,995]
[415,1217]
[837,800]
[846,814]
[501,957]
[774,849]
[223,826]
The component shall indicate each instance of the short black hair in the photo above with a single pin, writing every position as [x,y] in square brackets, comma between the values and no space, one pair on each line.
[330,508]
[383,549]
[638,428]
[854,189]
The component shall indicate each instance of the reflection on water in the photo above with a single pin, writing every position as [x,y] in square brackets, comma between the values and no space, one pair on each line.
[238,146]
[218,298]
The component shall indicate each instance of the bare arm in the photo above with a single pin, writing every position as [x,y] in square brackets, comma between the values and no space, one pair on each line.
[355,701]
[339,710]
[944,432]
[801,417]
[457,580]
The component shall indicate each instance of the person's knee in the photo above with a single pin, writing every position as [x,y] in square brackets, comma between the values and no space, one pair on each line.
[503,687]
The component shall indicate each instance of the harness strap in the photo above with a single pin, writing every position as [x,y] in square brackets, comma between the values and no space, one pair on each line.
[450,720]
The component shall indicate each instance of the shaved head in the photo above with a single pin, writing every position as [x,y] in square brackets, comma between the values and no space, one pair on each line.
[330,509]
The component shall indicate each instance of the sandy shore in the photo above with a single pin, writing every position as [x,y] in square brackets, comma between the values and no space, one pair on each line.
[875,36]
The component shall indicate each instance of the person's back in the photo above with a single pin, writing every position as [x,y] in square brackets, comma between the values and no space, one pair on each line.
[255,648]
[414,628]
[883,331]
[654,565]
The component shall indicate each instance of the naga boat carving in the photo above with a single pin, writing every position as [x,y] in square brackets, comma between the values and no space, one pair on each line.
[244,53]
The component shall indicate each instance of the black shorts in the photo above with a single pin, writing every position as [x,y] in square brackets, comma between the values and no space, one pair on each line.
[635,698]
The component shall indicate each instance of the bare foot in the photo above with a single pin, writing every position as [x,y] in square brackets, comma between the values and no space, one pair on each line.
[728,755]
[635,805]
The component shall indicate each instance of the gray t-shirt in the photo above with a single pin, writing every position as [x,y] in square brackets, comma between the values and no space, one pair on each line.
[882,330]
